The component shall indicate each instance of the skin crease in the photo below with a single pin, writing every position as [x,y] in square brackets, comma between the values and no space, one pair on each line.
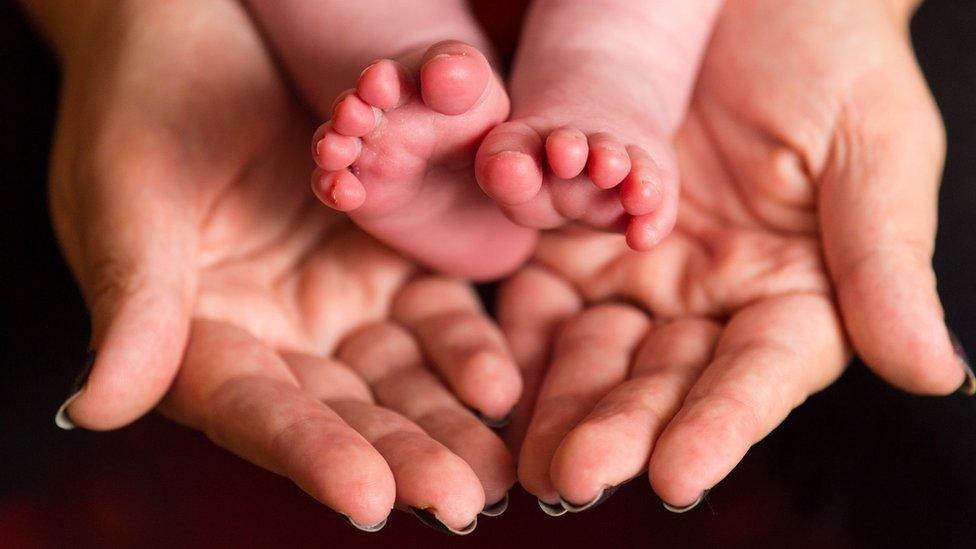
[179,194]
[807,211]
[124,119]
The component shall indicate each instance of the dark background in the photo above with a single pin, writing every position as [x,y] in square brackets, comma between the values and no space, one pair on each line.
[859,465]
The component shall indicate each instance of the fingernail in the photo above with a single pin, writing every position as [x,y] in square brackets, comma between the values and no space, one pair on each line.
[604,495]
[62,419]
[431,520]
[366,527]
[495,423]
[686,508]
[968,386]
[552,509]
[496,508]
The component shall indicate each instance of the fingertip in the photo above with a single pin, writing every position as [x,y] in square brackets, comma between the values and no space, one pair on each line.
[491,383]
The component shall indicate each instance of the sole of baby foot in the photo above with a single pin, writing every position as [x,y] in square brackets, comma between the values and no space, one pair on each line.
[398,156]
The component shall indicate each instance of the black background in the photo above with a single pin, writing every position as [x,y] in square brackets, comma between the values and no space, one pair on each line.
[858,465]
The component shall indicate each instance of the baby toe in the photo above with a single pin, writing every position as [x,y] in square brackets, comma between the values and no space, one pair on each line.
[566,152]
[453,77]
[335,152]
[508,165]
[641,192]
[353,117]
[340,190]
[609,162]
[384,84]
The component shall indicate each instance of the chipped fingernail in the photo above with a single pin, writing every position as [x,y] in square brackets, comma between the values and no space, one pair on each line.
[62,419]
[430,519]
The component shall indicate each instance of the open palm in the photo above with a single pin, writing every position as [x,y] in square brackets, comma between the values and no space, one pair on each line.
[180,196]
[810,162]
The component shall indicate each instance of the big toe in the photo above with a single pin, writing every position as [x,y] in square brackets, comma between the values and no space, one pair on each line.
[508,165]
[453,77]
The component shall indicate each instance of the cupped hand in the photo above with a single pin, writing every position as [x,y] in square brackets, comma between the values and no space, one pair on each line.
[179,192]
[810,164]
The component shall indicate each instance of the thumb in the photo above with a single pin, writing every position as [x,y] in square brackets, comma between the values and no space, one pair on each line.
[878,214]
[129,238]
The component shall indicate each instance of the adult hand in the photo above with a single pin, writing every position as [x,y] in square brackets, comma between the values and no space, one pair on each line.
[179,194]
[810,162]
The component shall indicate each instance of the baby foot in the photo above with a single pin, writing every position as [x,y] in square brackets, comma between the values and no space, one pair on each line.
[598,90]
[398,156]
[545,172]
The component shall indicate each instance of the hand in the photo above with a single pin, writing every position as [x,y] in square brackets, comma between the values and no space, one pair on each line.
[811,161]
[179,194]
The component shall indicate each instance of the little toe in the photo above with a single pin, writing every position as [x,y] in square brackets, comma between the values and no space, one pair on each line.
[353,117]
[609,162]
[508,165]
[641,192]
[453,77]
[384,84]
[335,152]
[340,189]
[646,231]
[566,152]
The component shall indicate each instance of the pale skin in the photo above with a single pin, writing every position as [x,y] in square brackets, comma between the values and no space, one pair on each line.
[806,227]
[258,291]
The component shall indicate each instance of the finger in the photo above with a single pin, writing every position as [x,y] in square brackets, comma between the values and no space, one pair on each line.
[326,378]
[878,216]
[771,356]
[591,355]
[430,479]
[129,236]
[613,444]
[465,346]
[246,399]
[388,358]
[532,305]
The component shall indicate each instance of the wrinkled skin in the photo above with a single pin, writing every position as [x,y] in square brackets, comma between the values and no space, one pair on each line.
[810,164]
[180,195]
